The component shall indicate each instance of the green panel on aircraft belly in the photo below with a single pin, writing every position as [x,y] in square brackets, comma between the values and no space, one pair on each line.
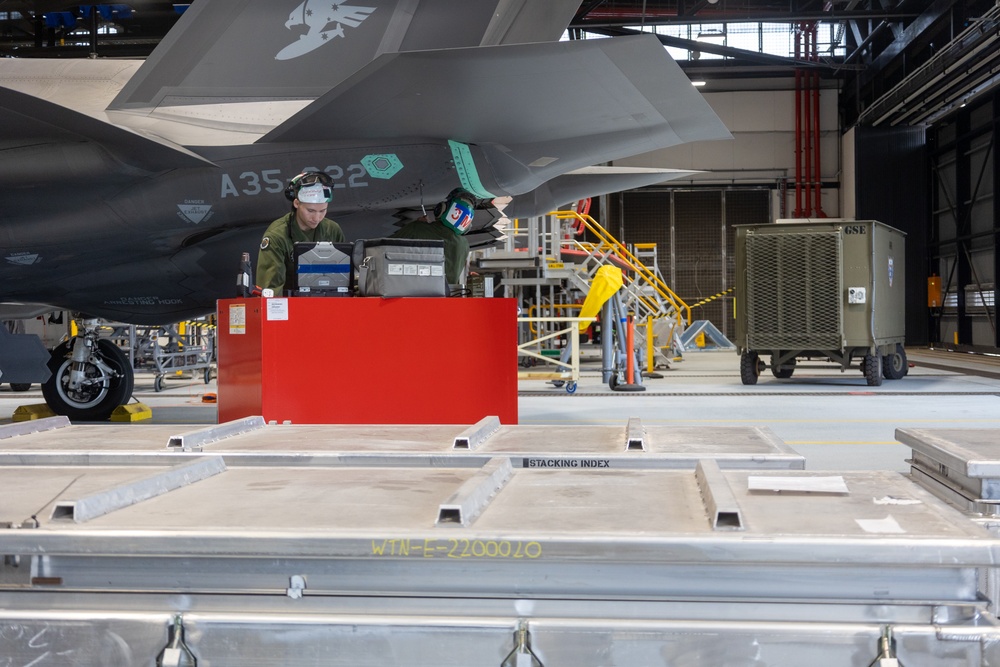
[383,165]
[466,168]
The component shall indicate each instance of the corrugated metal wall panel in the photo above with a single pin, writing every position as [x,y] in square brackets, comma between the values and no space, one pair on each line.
[693,231]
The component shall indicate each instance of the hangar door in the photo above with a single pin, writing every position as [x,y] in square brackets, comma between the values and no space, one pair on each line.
[965,228]
[695,240]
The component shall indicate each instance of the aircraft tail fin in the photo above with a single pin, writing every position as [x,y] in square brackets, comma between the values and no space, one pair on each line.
[267,50]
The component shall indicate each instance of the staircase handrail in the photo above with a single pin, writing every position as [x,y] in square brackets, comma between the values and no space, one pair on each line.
[629,259]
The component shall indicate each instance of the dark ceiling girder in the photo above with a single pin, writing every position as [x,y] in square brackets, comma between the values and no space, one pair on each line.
[652,18]
[683,10]
[969,60]
[719,50]
[864,43]
[938,10]
[586,8]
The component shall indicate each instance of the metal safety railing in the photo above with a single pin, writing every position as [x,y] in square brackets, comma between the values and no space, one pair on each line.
[548,258]
[567,366]
[667,303]
[661,315]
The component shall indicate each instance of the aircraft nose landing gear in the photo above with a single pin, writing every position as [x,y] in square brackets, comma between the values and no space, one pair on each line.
[90,377]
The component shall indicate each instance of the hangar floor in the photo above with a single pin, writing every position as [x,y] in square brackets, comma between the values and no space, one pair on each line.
[831,418]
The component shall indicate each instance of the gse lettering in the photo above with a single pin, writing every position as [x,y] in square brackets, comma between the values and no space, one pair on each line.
[855,229]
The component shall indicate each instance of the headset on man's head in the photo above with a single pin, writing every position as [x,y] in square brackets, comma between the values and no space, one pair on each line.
[320,187]
[457,211]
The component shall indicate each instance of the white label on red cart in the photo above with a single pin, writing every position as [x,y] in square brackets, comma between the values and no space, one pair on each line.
[237,319]
[277,309]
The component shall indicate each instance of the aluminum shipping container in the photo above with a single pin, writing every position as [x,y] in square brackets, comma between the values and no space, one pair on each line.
[302,546]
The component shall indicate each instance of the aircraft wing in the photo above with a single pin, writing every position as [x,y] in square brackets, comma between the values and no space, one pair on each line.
[28,122]
[536,110]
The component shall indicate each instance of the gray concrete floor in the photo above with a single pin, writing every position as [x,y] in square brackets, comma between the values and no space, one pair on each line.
[833,419]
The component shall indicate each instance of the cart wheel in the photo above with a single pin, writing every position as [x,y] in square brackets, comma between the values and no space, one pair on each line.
[158,383]
[570,387]
[894,365]
[613,382]
[871,365]
[208,375]
[785,371]
[20,386]
[557,383]
[749,367]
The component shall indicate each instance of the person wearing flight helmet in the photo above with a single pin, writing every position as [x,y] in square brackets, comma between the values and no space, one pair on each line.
[451,219]
[310,193]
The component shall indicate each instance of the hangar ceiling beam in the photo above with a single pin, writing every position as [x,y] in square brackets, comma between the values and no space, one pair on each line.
[938,11]
[719,50]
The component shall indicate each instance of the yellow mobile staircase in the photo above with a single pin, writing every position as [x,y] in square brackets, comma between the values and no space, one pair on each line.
[547,256]
[660,316]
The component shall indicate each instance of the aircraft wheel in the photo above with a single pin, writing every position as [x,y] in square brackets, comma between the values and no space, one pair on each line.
[749,367]
[894,366]
[871,366]
[96,400]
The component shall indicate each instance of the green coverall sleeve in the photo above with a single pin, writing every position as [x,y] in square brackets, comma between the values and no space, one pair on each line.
[271,266]
[456,256]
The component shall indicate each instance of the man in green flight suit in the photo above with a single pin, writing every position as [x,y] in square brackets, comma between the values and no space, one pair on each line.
[451,219]
[310,193]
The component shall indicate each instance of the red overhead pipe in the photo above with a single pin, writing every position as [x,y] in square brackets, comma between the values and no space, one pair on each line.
[798,129]
[816,126]
[806,119]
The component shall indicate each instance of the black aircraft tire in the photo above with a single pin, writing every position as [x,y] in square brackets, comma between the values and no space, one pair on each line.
[871,366]
[894,366]
[749,367]
[94,403]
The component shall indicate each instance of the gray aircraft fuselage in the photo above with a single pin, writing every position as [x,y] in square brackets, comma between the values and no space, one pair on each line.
[149,248]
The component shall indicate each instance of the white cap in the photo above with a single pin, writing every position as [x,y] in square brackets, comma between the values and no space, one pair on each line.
[315,194]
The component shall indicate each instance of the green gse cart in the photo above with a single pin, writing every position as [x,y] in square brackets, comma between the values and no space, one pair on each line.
[824,290]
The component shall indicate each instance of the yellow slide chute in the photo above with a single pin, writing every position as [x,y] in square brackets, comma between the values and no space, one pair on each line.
[606,282]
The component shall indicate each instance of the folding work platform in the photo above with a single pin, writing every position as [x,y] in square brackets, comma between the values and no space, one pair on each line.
[493,545]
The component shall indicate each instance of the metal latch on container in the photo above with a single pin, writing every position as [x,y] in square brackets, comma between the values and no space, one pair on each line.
[885,658]
[296,584]
[176,653]
[14,570]
[522,655]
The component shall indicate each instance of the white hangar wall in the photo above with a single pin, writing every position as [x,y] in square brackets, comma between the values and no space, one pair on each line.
[762,151]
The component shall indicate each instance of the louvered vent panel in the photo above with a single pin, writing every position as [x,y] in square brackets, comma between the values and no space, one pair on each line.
[793,291]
